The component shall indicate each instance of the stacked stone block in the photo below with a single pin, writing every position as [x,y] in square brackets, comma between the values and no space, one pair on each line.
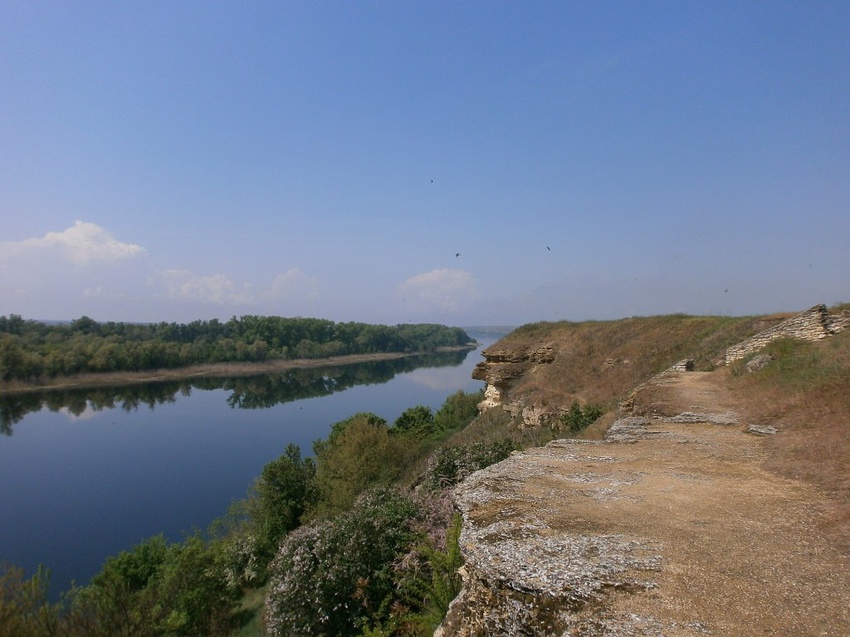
[812,325]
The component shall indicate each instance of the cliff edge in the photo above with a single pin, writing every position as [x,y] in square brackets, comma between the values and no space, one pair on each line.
[671,525]
[667,527]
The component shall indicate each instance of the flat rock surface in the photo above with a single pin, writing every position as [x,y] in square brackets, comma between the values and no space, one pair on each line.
[672,527]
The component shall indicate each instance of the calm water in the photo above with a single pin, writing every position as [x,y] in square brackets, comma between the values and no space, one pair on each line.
[94,474]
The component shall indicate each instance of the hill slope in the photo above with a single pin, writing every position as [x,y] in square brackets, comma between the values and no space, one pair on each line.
[683,521]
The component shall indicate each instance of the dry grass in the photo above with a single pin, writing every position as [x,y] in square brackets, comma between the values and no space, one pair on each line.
[600,361]
[805,392]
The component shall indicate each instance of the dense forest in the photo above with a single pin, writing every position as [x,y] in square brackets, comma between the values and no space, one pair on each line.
[30,350]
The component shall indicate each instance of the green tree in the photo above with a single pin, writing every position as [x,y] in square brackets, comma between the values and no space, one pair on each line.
[282,494]
[417,422]
[359,453]
[11,358]
[24,607]
[155,589]
[458,410]
[578,417]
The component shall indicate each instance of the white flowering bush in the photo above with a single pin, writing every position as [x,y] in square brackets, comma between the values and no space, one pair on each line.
[336,576]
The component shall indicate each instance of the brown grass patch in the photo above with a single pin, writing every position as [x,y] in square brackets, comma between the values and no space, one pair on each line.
[598,362]
[805,392]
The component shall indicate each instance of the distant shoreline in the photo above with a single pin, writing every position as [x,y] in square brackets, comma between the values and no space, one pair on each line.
[210,370]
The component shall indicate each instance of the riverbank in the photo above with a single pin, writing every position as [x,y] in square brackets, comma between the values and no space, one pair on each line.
[211,370]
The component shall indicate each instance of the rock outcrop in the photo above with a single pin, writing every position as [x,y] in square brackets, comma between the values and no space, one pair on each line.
[812,325]
[668,527]
[502,366]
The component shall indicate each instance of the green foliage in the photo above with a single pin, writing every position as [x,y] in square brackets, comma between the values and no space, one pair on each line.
[417,422]
[458,410]
[29,349]
[359,453]
[194,592]
[578,417]
[335,576]
[434,581]
[135,568]
[452,464]
[24,609]
[155,589]
[284,491]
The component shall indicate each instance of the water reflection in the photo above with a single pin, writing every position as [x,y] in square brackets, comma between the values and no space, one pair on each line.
[246,392]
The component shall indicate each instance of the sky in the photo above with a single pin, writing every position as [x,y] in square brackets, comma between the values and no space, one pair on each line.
[463,162]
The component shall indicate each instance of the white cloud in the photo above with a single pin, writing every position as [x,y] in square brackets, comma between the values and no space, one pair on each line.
[291,284]
[444,290]
[85,270]
[220,289]
[214,288]
[81,244]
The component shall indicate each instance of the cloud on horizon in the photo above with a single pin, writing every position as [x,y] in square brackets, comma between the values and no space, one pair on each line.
[84,269]
[443,290]
[81,244]
[292,285]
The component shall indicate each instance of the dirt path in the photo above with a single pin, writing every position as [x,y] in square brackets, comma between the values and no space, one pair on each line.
[676,529]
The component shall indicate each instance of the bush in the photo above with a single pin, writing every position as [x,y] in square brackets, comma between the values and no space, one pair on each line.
[578,417]
[452,464]
[155,589]
[358,454]
[24,609]
[416,422]
[335,577]
[458,411]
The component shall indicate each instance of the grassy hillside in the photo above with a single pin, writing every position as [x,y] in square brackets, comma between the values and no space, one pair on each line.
[805,393]
[600,361]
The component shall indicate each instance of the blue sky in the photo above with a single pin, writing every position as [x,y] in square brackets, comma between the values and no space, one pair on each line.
[465,163]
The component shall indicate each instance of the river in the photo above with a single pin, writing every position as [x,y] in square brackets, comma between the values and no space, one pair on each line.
[86,474]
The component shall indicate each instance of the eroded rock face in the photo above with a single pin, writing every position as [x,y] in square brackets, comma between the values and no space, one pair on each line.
[503,365]
[526,576]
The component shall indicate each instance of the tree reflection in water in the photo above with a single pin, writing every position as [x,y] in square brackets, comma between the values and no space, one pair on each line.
[247,392]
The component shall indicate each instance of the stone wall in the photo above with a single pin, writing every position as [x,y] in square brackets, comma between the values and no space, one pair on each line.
[811,325]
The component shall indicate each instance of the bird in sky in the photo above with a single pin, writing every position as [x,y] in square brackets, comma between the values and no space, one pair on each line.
[457,254]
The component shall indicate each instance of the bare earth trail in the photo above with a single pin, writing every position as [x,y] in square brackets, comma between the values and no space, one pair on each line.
[670,527]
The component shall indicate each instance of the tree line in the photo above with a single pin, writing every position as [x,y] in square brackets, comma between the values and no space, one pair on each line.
[30,350]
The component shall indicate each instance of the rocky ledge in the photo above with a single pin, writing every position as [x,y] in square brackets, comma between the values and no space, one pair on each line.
[501,366]
[668,527]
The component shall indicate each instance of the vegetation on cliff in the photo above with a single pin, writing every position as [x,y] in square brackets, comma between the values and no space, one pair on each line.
[549,370]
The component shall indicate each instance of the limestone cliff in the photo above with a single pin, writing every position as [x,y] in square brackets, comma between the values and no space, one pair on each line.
[505,364]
